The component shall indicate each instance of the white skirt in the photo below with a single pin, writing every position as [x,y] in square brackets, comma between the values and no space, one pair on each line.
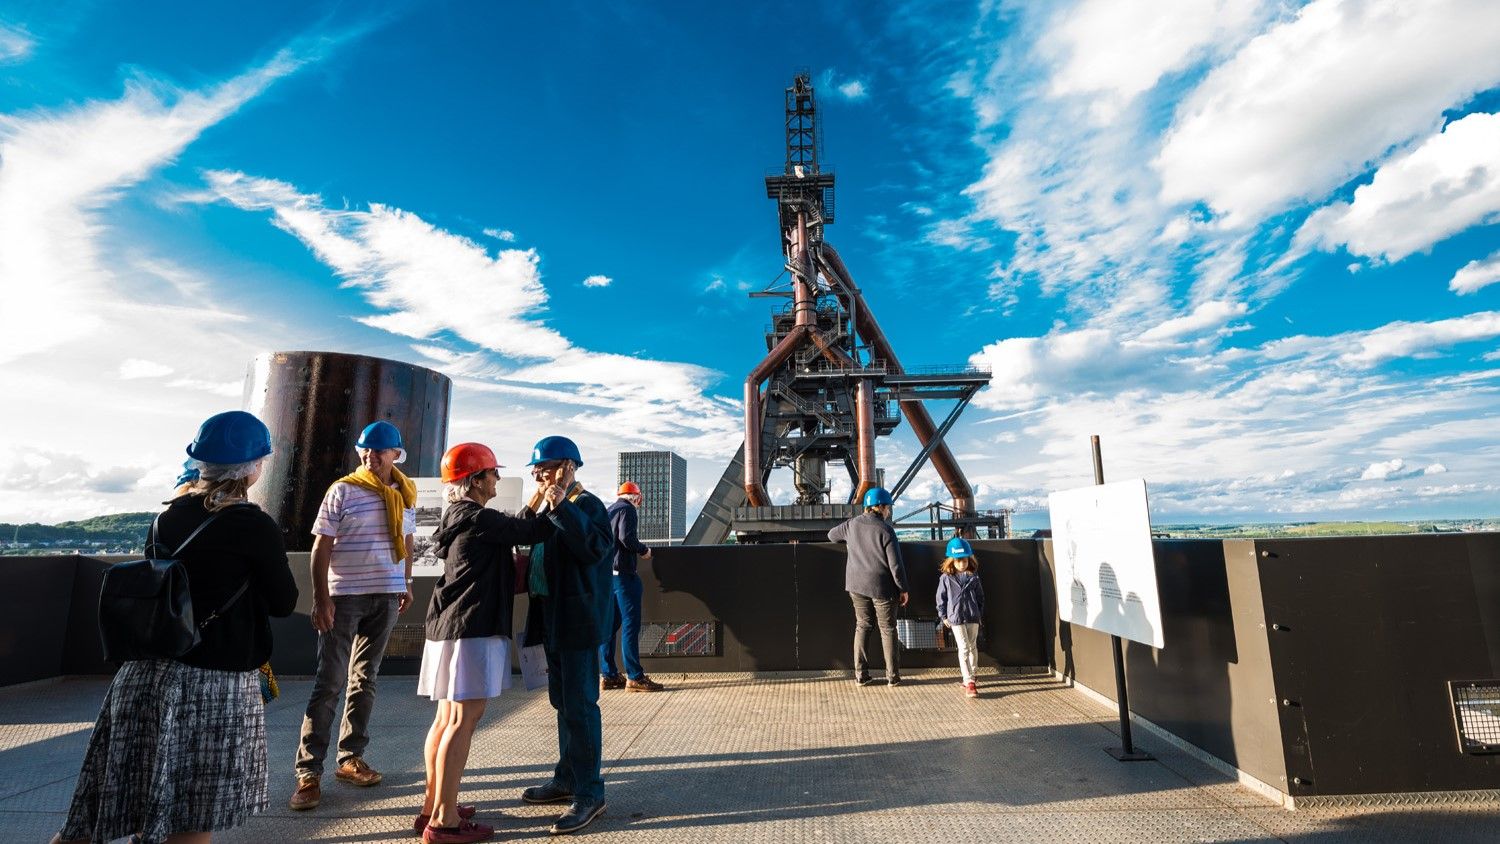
[465,669]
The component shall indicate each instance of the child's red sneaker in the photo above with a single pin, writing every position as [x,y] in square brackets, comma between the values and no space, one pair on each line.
[970,690]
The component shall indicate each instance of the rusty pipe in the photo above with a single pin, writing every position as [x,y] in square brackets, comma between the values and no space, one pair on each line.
[755,490]
[916,414]
[804,309]
[864,419]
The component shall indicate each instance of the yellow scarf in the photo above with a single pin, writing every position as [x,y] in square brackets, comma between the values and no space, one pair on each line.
[397,499]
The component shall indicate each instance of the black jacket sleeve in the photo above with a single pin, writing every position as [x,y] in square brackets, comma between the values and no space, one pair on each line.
[270,574]
[501,529]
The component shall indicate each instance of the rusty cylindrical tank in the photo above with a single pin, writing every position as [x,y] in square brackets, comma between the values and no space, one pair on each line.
[315,404]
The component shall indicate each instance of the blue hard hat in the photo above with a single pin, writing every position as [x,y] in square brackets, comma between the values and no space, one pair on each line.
[231,437]
[379,435]
[958,548]
[555,448]
[878,495]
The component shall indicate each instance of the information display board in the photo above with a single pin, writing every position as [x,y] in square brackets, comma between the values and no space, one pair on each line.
[430,506]
[1105,569]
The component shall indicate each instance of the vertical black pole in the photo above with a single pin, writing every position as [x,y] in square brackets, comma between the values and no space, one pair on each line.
[1127,751]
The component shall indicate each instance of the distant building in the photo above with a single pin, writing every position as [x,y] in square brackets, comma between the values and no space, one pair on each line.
[662,476]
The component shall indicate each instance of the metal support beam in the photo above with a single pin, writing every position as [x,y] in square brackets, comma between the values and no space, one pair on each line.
[942,431]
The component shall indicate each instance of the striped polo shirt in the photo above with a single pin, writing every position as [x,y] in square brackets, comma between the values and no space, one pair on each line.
[364,560]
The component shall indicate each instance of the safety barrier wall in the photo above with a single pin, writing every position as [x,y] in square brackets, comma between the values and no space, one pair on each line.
[1319,667]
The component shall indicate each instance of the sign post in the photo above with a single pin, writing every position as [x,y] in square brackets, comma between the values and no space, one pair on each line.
[1126,752]
[1105,571]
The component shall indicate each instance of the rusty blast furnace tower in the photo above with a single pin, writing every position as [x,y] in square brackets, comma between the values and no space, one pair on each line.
[832,380]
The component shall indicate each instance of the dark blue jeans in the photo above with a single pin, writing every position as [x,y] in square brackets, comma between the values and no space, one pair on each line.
[573,689]
[627,613]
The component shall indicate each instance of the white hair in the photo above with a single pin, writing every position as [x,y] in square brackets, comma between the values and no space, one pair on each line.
[456,491]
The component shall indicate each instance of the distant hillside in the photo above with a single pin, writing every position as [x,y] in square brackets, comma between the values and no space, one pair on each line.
[120,528]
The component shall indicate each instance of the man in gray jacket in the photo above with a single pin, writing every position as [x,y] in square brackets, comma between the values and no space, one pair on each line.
[875,578]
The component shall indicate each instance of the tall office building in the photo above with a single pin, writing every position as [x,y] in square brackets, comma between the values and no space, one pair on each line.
[662,476]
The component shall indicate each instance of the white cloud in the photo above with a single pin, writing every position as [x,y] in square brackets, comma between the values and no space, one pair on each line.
[1476,275]
[1449,182]
[1209,315]
[410,272]
[1383,470]
[597,281]
[829,82]
[133,368]
[853,90]
[1116,51]
[1413,339]
[1306,105]
[505,235]
[1435,469]
[59,169]
[15,43]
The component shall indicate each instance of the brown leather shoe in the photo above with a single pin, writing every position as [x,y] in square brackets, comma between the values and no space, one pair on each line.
[645,684]
[356,772]
[307,796]
[611,681]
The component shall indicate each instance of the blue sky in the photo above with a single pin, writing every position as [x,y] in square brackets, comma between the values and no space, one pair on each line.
[1253,245]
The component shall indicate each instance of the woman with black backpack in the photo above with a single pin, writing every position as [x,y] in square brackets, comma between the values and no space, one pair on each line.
[179,749]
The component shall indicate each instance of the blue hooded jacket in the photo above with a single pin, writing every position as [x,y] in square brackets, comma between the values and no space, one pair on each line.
[960,598]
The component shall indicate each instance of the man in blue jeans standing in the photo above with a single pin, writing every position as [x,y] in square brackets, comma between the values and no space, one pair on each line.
[569,584]
[623,521]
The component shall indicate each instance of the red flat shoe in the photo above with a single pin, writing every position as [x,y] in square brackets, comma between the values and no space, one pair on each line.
[466,832]
[464,813]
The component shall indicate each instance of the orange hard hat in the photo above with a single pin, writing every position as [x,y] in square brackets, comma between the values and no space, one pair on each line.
[465,459]
[629,488]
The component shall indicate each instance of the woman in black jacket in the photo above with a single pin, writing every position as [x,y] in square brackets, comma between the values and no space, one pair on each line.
[179,749]
[466,659]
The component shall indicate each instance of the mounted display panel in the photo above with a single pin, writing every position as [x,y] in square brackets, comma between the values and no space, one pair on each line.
[1104,566]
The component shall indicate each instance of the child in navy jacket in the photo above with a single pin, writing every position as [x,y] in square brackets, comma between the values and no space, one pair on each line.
[960,604]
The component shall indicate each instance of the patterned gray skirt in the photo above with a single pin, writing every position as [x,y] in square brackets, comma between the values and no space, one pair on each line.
[175,749]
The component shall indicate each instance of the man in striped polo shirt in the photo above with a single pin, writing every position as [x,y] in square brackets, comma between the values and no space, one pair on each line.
[361,573]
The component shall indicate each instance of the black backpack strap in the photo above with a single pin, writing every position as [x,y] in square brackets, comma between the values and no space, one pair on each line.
[206,522]
[243,586]
[227,604]
[151,537]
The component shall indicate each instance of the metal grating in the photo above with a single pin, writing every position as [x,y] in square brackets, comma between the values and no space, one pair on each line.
[1476,714]
[406,641]
[922,634]
[680,638]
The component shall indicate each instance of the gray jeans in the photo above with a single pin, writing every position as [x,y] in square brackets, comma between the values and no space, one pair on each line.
[349,658]
[867,613]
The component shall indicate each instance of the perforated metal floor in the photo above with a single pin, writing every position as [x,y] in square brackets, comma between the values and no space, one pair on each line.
[732,757]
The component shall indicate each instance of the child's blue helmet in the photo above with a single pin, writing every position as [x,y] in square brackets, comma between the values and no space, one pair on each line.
[958,548]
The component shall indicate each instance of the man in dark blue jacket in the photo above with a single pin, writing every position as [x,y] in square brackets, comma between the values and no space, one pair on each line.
[571,595]
[623,521]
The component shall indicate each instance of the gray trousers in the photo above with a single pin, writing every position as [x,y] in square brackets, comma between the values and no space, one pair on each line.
[349,658]
[867,613]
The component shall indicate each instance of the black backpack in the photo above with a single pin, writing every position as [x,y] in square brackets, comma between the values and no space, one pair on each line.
[145,608]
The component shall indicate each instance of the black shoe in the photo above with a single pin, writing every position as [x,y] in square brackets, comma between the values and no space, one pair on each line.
[578,816]
[893,681]
[864,681]
[549,793]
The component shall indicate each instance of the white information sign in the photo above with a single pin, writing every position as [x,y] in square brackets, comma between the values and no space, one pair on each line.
[1102,559]
[430,513]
